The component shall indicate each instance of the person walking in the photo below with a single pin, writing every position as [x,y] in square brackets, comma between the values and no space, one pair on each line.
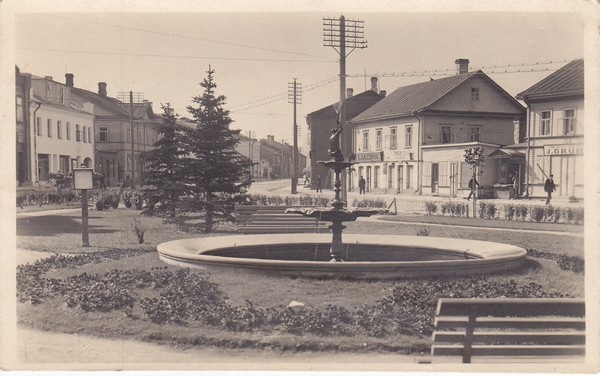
[362,183]
[515,185]
[472,184]
[318,183]
[549,187]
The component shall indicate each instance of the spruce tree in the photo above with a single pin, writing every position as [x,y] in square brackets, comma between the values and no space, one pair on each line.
[164,170]
[214,171]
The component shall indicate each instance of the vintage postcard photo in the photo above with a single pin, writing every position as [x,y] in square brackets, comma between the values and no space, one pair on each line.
[246,186]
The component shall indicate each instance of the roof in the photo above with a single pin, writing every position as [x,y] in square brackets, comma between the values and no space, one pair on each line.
[568,80]
[111,104]
[364,97]
[505,153]
[416,97]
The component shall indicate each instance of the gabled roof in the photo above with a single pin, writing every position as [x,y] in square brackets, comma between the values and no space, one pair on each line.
[366,96]
[568,80]
[111,104]
[410,99]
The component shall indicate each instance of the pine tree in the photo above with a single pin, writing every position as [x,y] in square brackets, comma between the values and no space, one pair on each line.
[214,170]
[164,169]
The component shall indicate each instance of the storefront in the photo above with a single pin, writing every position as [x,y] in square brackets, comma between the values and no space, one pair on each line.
[510,178]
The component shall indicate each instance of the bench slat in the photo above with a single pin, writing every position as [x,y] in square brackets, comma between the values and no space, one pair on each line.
[555,338]
[508,350]
[257,219]
[512,322]
[511,307]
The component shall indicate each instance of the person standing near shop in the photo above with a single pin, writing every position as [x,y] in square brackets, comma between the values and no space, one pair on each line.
[318,183]
[549,187]
[472,184]
[362,183]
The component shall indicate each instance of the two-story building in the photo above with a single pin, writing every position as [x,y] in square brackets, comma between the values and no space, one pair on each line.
[63,131]
[322,121]
[119,149]
[555,110]
[413,141]
[23,127]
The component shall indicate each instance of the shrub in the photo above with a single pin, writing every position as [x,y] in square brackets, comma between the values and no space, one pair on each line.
[490,211]
[509,212]
[446,208]
[571,263]
[126,197]
[369,203]
[537,213]
[431,207]
[113,198]
[138,200]
[138,231]
[482,209]
[423,231]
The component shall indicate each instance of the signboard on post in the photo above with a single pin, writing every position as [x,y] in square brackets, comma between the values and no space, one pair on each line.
[83,179]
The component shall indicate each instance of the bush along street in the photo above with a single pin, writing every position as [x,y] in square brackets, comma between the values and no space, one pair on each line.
[510,212]
[181,297]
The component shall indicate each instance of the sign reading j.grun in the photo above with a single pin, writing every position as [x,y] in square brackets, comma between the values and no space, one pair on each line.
[563,149]
[370,157]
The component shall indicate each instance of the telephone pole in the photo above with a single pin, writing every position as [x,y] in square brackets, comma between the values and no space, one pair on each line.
[341,34]
[295,97]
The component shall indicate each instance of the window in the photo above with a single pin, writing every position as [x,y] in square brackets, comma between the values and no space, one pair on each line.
[127,133]
[19,109]
[475,93]
[545,123]
[445,134]
[103,133]
[84,134]
[378,141]
[77,132]
[38,126]
[59,129]
[49,127]
[393,138]
[408,140]
[475,134]
[68,130]
[569,122]
[90,135]
[365,143]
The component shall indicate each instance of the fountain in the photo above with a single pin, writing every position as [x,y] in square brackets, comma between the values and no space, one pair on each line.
[363,256]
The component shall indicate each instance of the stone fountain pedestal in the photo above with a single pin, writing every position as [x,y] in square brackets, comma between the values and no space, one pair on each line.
[337,213]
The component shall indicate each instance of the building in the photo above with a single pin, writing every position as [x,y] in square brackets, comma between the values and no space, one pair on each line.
[23,137]
[62,135]
[413,140]
[250,148]
[276,159]
[322,121]
[555,113]
[119,149]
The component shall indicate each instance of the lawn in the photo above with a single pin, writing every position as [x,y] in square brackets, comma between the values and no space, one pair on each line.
[119,288]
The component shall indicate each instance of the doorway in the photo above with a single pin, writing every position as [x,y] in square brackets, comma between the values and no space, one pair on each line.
[435,172]
[400,182]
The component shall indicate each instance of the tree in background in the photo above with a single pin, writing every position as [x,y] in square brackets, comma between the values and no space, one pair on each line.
[214,172]
[475,158]
[163,178]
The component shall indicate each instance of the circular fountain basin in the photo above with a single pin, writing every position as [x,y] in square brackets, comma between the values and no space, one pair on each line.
[367,256]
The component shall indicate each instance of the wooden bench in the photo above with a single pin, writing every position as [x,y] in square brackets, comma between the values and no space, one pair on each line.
[261,219]
[514,328]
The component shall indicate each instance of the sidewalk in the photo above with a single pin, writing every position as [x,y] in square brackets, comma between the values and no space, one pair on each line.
[404,203]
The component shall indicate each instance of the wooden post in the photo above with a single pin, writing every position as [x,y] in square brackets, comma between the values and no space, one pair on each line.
[85,239]
[467,350]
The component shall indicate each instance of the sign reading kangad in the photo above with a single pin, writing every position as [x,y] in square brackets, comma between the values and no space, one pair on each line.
[370,157]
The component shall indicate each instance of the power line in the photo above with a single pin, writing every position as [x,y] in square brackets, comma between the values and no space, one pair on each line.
[195,38]
[174,56]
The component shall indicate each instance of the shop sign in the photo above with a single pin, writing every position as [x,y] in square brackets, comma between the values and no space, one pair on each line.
[563,149]
[370,157]
[397,155]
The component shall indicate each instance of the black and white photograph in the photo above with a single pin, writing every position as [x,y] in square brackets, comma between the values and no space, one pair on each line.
[305,186]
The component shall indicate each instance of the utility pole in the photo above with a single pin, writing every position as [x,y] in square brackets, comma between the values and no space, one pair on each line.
[295,97]
[341,34]
[132,143]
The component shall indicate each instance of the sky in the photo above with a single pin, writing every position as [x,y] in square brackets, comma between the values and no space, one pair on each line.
[256,54]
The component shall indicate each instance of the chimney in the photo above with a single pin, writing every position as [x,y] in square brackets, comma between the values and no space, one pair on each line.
[374,84]
[462,65]
[349,93]
[48,78]
[383,93]
[69,79]
[102,88]
[270,137]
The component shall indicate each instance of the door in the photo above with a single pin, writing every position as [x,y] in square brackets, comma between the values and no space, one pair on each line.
[368,188]
[435,171]
[409,174]
[400,178]
[43,167]
[566,185]
[453,178]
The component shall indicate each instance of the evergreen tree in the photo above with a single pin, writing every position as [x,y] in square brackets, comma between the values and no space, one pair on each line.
[164,170]
[214,171]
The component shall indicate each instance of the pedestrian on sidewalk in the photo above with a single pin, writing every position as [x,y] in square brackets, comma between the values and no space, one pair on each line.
[318,183]
[472,184]
[549,187]
[362,183]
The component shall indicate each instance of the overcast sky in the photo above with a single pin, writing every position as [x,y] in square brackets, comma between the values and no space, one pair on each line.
[165,55]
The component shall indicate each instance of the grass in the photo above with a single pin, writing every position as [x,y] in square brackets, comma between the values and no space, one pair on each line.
[113,229]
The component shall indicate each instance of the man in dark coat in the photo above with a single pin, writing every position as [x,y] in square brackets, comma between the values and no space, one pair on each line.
[472,184]
[318,183]
[549,187]
[362,183]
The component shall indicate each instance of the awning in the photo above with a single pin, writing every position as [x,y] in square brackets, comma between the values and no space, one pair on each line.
[506,153]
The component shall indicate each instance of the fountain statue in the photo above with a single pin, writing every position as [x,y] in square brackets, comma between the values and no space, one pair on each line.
[337,213]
